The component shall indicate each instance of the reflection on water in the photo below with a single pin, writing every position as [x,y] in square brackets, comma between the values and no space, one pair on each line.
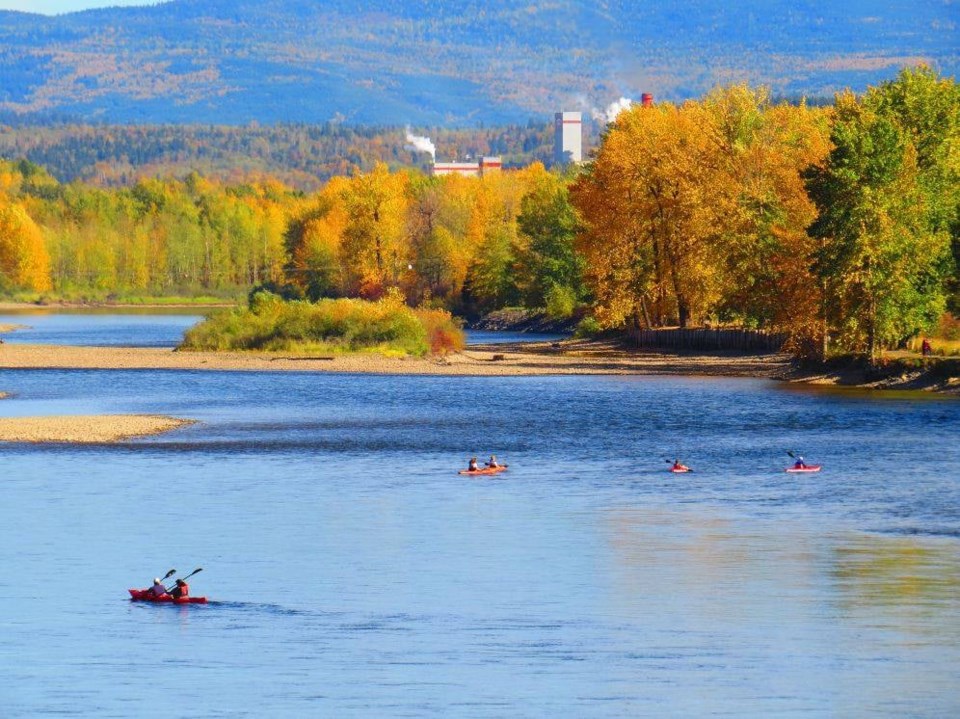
[899,573]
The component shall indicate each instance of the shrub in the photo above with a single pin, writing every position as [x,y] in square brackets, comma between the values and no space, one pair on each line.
[560,302]
[444,334]
[273,324]
[588,327]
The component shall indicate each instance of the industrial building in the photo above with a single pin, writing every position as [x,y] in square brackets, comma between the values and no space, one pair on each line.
[467,169]
[568,138]
[567,145]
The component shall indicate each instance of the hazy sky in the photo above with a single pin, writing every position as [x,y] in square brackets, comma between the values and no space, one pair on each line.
[52,7]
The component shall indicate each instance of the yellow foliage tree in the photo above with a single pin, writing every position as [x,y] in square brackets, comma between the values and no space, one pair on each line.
[24,262]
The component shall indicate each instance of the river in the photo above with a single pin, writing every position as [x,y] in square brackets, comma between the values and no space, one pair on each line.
[353,573]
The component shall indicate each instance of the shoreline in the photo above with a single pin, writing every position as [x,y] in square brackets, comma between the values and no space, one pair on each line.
[567,357]
[523,359]
[87,429]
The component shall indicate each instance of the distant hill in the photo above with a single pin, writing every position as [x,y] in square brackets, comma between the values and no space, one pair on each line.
[446,62]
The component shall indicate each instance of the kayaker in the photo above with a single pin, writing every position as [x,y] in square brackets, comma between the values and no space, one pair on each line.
[678,466]
[492,464]
[181,590]
[158,590]
[472,465]
[799,464]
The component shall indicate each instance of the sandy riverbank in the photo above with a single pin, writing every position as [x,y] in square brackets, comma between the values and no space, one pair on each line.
[570,357]
[86,429]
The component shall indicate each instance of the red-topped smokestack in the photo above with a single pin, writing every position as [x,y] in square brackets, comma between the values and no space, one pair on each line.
[646,99]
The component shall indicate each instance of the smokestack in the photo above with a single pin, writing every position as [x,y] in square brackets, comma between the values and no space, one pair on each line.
[646,99]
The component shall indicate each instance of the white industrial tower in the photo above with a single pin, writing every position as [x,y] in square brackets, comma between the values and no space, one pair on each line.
[568,138]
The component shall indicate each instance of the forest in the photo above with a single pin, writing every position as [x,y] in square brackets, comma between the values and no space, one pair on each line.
[838,226]
[300,155]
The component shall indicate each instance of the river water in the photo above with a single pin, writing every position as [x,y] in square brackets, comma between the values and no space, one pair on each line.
[154,327]
[353,573]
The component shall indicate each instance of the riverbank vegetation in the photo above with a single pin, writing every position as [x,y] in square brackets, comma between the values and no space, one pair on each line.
[273,324]
[837,226]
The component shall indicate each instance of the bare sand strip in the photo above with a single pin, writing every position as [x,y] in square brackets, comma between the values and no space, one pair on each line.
[81,429]
[569,357]
[12,328]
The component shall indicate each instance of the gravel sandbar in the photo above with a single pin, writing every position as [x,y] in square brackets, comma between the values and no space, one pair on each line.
[91,429]
[568,357]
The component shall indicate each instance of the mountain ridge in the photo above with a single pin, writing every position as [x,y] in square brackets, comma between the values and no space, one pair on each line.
[456,62]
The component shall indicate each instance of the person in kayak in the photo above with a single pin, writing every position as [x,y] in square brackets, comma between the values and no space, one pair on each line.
[492,464]
[799,464]
[679,466]
[181,590]
[158,590]
[472,465]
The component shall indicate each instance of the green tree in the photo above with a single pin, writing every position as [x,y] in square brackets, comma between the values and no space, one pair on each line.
[927,108]
[881,262]
[548,263]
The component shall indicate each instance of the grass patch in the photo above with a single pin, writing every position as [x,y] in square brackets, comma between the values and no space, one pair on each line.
[271,324]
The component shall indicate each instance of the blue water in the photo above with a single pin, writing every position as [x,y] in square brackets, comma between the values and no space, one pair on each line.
[110,328]
[153,327]
[497,337]
[354,574]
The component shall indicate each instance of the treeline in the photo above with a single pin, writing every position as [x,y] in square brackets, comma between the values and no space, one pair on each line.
[159,237]
[465,244]
[839,226]
[300,155]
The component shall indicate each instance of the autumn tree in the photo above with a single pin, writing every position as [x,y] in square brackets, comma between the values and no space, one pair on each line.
[24,263]
[652,204]
[372,248]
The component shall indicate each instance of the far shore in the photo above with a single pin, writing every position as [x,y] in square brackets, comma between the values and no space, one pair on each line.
[86,429]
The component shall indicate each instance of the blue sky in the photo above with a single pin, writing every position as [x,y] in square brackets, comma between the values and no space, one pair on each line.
[53,7]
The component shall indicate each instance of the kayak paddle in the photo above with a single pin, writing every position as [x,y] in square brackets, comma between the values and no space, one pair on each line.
[183,579]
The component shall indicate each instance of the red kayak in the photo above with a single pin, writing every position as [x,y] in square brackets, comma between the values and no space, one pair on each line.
[485,470]
[680,470]
[803,470]
[145,595]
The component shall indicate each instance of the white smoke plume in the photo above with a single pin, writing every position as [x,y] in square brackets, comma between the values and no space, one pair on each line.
[613,110]
[421,144]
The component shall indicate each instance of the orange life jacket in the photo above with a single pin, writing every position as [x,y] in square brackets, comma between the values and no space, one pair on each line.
[181,590]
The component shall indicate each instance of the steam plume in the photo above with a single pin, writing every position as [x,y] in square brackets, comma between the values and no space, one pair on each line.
[416,143]
[613,110]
